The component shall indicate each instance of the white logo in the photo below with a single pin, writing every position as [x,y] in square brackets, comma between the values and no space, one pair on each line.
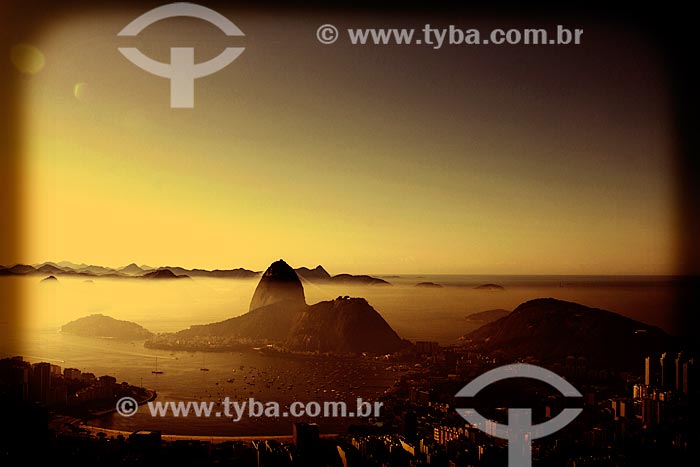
[182,71]
[520,431]
[127,406]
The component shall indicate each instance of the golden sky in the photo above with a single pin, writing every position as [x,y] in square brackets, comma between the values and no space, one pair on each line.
[513,160]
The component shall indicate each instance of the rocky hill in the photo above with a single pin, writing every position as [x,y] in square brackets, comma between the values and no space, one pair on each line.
[279,284]
[321,276]
[163,274]
[317,274]
[278,314]
[550,330]
[99,325]
[343,325]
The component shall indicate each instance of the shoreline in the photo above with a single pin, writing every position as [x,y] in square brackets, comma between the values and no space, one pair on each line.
[151,396]
[94,430]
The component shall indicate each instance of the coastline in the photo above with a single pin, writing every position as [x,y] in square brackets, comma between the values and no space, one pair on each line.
[93,431]
[151,396]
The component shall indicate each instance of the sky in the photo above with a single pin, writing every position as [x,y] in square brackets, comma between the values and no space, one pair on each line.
[374,159]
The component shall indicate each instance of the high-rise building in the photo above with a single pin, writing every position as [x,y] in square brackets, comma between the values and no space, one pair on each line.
[409,425]
[649,371]
[306,438]
[680,359]
[71,373]
[15,376]
[640,391]
[40,382]
[668,371]
[648,407]
[688,376]
[622,408]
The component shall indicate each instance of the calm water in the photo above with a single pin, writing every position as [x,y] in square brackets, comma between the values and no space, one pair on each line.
[162,306]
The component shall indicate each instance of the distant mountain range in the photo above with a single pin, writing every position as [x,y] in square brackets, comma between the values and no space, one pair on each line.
[133,270]
[544,329]
[163,273]
[278,314]
[320,275]
[550,330]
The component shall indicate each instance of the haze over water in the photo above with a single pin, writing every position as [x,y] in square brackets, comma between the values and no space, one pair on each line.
[165,306]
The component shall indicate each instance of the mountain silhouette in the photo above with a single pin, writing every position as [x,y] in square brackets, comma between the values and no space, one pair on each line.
[96,271]
[132,269]
[163,273]
[238,273]
[487,316]
[320,275]
[550,330]
[317,274]
[71,265]
[360,280]
[21,269]
[279,284]
[278,314]
[269,323]
[343,325]
[489,287]
[99,325]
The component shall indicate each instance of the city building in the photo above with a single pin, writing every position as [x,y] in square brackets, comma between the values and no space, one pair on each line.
[306,438]
[650,371]
[667,371]
[71,373]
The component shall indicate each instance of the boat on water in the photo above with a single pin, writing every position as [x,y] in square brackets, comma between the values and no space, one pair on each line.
[156,371]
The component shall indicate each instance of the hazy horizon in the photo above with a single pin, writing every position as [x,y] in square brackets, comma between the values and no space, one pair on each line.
[414,312]
[332,273]
[374,159]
